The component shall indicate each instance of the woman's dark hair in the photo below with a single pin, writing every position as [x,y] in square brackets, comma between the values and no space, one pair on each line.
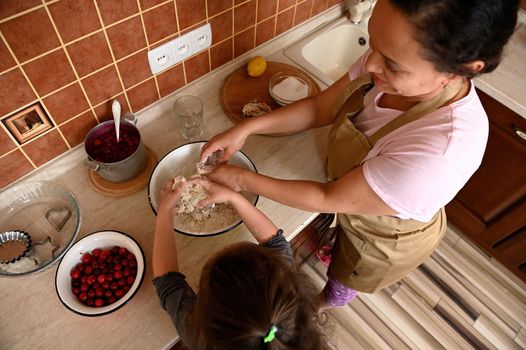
[247,289]
[456,32]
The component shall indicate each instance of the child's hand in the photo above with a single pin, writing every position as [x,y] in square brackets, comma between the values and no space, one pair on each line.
[216,192]
[169,197]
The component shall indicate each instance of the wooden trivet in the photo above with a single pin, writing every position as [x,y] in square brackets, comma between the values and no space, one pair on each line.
[120,189]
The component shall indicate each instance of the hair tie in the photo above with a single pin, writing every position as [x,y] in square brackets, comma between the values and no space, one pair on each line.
[271,334]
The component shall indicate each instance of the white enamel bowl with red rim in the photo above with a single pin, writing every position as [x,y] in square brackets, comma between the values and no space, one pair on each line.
[101,239]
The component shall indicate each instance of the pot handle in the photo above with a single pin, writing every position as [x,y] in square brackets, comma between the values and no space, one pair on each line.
[129,116]
[91,165]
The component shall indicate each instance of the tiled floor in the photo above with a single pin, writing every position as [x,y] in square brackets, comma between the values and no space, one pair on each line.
[458,299]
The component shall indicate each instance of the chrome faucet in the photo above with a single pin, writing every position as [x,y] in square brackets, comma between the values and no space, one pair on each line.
[357,11]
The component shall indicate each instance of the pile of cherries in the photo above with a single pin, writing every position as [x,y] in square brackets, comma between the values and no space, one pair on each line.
[104,276]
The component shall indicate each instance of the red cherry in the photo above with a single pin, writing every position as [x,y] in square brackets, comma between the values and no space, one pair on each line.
[99,303]
[115,250]
[117,267]
[86,258]
[99,292]
[91,293]
[114,285]
[79,267]
[95,285]
[83,296]
[117,275]
[109,277]
[124,262]
[96,252]
[132,263]
[92,279]
[75,291]
[108,293]
[119,293]
[105,254]
[123,251]
[90,302]
[106,285]
[111,300]
[101,279]
[122,282]
[75,273]
[88,270]
[75,283]
[130,280]
[126,272]
[84,287]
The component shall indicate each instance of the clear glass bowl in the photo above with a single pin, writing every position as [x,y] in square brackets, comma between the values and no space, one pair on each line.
[280,77]
[49,213]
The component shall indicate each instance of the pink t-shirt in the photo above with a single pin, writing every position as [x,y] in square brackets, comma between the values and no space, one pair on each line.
[418,168]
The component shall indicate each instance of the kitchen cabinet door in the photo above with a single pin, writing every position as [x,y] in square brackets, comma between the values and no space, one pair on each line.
[490,208]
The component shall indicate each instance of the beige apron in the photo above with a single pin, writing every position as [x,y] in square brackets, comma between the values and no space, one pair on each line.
[373,252]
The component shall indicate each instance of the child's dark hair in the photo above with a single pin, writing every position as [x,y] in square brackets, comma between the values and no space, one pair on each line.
[246,290]
[454,33]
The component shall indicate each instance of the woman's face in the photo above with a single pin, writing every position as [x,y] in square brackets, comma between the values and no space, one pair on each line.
[396,61]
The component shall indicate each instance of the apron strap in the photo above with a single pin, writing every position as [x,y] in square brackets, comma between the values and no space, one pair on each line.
[358,84]
[422,108]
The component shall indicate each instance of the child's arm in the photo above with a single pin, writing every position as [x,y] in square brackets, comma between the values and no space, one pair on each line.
[164,258]
[258,223]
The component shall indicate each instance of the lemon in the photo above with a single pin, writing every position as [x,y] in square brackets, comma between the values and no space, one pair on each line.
[257,66]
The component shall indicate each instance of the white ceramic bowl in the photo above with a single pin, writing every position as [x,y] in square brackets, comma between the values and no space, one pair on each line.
[101,239]
[182,161]
[279,77]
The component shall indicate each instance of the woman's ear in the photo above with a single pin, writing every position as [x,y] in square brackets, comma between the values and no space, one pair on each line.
[475,66]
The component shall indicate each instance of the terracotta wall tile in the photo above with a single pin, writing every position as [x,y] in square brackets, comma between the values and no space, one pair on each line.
[318,6]
[112,11]
[14,91]
[104,111]
[221,54]
[302,12]
[45,148]
[75,130]
[134,69]
[30,35]
[146,4]
[244,16]
[265,30]
[284,21]
[90,54]
[334,2]
[171,80]
[6,59]
[196,66]
[6,143]
[143,95]
[14,166]
[244,42]
[66,103]
[160,22]
[221,27]
[285,4]
[127,37]
[9,8]
[74,18]
[190,12]
[266,9]
[218,6]
[102,85]
[38,72]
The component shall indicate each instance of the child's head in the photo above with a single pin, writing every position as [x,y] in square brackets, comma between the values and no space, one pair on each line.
[244,291]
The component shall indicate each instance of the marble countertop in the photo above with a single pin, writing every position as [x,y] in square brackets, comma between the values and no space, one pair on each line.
[32,315]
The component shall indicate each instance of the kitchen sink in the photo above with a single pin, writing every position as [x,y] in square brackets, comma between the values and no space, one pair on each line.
[328,52]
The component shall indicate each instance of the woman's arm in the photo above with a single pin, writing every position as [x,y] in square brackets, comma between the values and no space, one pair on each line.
[312,112]
[350,194]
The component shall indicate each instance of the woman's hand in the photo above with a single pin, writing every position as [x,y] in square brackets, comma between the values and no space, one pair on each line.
[229,175]
[169,197]
[229,141]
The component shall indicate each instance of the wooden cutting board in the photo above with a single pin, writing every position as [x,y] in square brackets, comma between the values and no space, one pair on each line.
[240,88]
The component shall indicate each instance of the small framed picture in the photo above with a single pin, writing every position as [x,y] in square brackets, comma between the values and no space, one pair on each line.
[28,123]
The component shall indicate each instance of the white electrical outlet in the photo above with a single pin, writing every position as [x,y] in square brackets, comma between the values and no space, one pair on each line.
[167,55]
[161,58]
[202,37]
